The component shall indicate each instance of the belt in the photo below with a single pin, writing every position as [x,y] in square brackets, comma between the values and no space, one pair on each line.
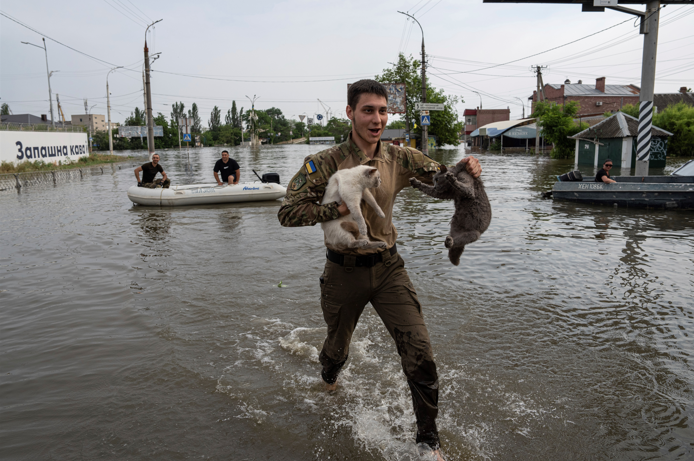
[360,261]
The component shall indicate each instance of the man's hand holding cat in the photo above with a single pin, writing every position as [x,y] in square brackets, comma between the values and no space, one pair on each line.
[342,208]
[473,166]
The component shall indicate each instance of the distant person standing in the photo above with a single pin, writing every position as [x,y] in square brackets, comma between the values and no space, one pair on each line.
[149,172]
[604,174]
[231,173]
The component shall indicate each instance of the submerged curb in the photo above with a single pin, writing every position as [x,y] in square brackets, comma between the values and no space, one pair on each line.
[15,182]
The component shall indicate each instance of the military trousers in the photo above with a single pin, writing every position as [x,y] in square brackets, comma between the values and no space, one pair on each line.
[345,291]
[157,182]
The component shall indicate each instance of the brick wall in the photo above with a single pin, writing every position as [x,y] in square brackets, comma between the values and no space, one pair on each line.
[485,116]
[587,103]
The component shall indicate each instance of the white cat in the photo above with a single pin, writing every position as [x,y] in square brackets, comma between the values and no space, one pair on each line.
[349,187]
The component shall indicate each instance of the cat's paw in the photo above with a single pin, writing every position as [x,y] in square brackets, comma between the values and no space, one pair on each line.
[380,244]
[380,213]
[415,182]
[449,241]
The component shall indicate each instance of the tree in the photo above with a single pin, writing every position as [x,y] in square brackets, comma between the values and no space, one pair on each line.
[197,122]
[557,125]
[678,119]
[444,124]
[5,109]
[234,115]
[630,109]
[215,119]
[228,119]
[136,118]
[397,125]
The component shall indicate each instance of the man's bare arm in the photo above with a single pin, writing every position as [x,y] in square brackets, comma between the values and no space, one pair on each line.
[137,173]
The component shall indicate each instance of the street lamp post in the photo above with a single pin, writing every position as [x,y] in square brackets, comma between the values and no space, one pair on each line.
[108,110]
[425,129]
[50,96]
[89,122]
[522,104]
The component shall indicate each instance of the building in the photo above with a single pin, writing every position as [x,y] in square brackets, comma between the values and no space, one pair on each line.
[26,119]
[614,138]
[662,100]
[476,118]
[325,140]
[592,100]
[95,121]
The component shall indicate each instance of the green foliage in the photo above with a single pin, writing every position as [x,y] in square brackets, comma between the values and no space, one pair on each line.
[557,125]
[5,109]
[338,128]
[678,119]
[444,124]
[397,125]
[137,118]
[495,146]
[215,119]
[630,109]
[197,122]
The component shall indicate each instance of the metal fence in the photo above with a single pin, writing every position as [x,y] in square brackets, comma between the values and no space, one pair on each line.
[9,126]
[16,182]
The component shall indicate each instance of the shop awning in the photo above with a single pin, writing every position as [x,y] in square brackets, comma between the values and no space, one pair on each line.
[497,128]
[522,132]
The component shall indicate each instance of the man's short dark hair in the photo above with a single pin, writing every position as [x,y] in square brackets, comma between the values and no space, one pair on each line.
[356,89]
[607,160]
[225,151]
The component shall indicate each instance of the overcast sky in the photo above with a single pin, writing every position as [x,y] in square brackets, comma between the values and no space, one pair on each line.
[291,53]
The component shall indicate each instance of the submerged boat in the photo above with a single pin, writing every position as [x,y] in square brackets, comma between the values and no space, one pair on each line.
[658,192]
[268,188]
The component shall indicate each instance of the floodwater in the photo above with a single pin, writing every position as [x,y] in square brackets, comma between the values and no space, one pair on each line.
[132,332]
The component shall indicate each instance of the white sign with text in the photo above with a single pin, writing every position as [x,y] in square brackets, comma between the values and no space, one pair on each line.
[49,147]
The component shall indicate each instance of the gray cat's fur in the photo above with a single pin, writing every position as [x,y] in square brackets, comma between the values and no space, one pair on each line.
[473,213]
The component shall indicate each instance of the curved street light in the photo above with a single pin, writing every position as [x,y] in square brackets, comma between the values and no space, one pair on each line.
[50,96]
[522,104]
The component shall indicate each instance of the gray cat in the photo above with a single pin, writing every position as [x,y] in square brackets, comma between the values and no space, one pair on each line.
[473,213]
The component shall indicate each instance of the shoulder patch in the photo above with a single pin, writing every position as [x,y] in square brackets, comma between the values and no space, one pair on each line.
[310,167]
[298,182]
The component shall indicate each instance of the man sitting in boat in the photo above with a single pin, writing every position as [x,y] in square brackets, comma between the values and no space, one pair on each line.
[149,171]
[604,174]
[231,173]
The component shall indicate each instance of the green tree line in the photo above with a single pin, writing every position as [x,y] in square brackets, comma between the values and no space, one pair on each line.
[678,119]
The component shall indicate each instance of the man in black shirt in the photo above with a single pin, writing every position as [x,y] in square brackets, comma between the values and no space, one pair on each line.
[149,171]
[231,173]
[604,174]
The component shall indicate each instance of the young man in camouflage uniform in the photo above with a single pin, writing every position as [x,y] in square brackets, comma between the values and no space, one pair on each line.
[353,278]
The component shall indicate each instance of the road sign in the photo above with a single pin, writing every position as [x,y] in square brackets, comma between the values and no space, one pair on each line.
[319,116]
[426,120]
[407,138]
[186,137]
[302,117]
[428,106]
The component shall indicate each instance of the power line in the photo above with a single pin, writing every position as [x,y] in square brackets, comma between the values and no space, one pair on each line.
[125,15]
[257,81]
[56,41]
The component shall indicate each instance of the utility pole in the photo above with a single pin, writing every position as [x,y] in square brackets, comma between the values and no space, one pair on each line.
[254,121]
[425,129]
[150,119]
[540,93]
[649,27]
[144,109]
[108,110]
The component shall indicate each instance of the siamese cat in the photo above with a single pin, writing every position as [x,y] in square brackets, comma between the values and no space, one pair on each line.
[350,186]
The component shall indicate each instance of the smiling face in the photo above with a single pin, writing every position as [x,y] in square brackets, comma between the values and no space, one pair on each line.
[369,118]
[155,159]
[225,156]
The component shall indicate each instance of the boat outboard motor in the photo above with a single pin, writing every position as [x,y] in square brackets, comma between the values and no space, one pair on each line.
[269,177]
[571,176]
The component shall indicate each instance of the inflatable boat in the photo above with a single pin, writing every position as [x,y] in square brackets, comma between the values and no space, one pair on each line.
[206,194]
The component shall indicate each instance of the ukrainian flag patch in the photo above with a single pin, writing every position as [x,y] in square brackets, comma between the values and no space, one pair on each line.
[310,167]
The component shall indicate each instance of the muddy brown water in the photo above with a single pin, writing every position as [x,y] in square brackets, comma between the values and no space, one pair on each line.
[132,332]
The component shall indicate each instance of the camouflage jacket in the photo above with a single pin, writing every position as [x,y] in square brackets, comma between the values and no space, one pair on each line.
[301,206]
